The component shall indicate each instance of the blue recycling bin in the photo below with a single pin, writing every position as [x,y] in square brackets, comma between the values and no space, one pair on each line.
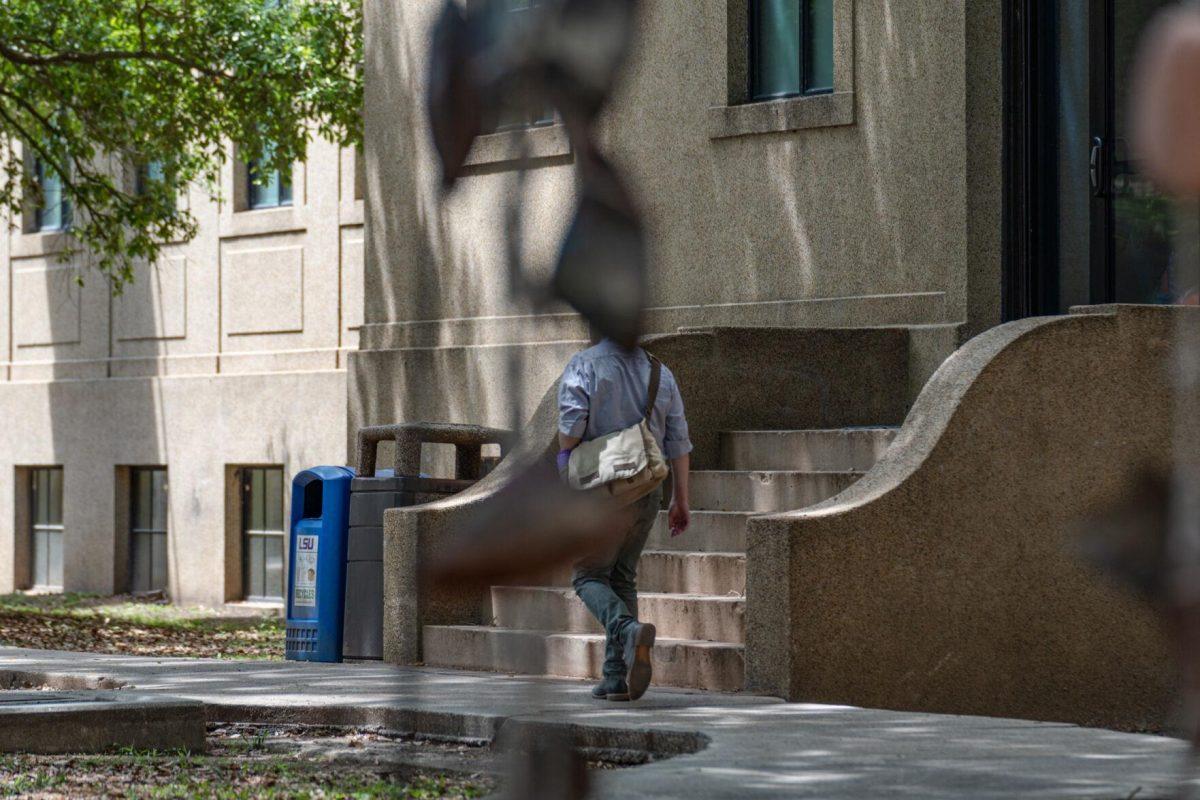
[316,595]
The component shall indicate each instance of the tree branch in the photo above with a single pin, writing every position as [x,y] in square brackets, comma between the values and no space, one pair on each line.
[28,139]
[70,57]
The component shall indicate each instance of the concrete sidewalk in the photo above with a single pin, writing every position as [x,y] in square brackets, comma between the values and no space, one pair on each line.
[744,746]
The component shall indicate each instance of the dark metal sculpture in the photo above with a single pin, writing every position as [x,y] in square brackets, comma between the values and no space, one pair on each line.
[566,54]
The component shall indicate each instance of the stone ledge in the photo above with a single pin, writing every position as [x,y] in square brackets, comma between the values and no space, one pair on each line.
[915,308]
[781,116]
[547,141]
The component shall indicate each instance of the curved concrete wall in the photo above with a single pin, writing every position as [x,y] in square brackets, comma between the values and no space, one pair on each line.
[945,580]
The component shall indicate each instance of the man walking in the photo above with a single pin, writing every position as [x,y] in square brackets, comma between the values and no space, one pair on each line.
[606,389]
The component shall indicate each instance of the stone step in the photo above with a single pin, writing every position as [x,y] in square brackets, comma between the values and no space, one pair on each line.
[717,666]
[835,450]
[710,618]
[692,573]
[768,490]
[709,532]
[672,572]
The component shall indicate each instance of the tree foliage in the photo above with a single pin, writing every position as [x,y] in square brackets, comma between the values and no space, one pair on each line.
[97,89]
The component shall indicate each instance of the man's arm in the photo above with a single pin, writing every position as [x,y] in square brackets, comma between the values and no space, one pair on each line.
[676,447]
[573,406]
[680,515]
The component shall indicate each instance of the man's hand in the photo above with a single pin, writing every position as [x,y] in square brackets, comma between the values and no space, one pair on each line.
[679,517]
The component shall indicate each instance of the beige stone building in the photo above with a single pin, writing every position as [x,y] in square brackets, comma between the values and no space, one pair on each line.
[151,437]
[868,222]
[873,201]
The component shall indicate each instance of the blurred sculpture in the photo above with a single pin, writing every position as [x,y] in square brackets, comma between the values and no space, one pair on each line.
[1166,96]
[566,54]
[1151,538]
[487,60]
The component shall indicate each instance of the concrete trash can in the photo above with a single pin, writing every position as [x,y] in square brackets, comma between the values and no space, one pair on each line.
[374,492]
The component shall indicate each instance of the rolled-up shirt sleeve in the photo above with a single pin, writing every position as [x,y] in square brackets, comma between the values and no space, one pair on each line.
[675,439]
[573,403]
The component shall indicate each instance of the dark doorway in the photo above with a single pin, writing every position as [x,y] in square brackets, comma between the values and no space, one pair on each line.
[1082,224]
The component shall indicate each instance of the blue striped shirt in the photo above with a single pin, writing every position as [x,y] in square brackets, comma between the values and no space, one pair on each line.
[604,389]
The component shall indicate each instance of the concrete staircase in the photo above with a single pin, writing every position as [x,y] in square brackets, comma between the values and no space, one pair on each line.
[691,587]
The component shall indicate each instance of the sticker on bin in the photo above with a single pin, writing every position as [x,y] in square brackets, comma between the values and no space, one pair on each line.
[305,591]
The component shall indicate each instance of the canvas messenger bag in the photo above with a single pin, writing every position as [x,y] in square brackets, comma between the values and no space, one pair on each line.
[626,465]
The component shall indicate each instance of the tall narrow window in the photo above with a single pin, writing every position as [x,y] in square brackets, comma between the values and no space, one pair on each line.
[791,48]
[46,533]
[267,188]
[148,532]
[53,211]
[262,533]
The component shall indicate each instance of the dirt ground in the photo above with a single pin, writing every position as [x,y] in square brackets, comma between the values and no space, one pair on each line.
[135,626]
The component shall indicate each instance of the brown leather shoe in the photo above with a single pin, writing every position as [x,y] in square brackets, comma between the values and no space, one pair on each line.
[639,641]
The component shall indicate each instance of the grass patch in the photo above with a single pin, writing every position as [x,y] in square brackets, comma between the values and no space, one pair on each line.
[134,626]
[282,762]
[166,776]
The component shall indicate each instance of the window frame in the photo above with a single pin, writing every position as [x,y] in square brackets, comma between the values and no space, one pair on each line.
[51,531]
[249,535]
[804,50]
[153,534]
[737,115]
[40,172]
[281,181]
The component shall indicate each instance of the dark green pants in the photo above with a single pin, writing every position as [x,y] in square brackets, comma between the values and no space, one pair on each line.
[607,582]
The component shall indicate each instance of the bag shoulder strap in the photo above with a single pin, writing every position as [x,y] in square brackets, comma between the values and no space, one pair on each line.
[655,378]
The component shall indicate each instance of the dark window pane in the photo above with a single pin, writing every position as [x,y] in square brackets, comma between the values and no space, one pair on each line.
[273,500]
[159,563]
[775,50]
[256,500]
[273,566]
[254,566]
[520,111]
[158,519]
[818,46]
[140,573]
[148,174]
[141,499]
[41,497]
[54,483]
[54,568]
[41,558]
[53,212]
[267,188]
